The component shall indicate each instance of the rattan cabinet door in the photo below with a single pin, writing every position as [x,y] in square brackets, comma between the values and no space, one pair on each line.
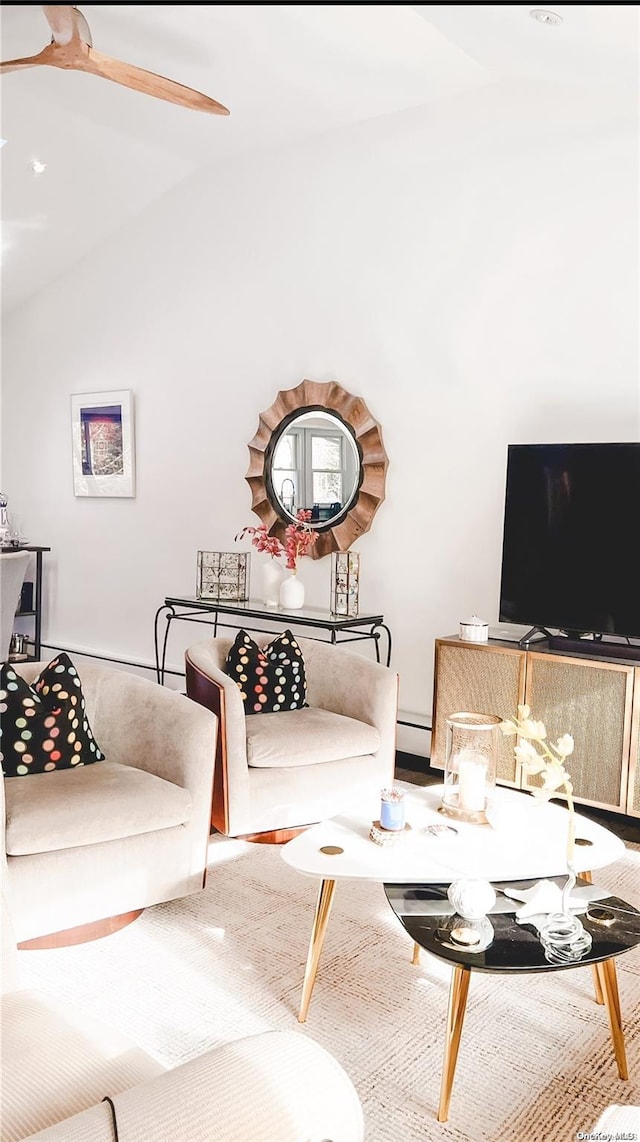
[486,679]
[592,701]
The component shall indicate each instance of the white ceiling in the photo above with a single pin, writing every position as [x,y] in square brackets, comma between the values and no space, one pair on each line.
[285,72]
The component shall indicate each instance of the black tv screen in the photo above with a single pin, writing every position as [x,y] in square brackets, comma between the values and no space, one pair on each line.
[568,554]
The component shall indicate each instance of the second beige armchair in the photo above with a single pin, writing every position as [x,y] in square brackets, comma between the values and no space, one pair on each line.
[277,772]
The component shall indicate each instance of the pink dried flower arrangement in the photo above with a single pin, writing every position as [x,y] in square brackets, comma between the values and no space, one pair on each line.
[262,541]
[298,538]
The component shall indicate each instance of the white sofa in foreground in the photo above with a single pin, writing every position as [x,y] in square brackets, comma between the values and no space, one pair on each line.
[616,1122]
[58,1065]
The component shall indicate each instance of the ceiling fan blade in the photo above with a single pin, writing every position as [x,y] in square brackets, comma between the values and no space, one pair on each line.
[71,40]
[71,48]
[148,82]
[18,64]
[54,55]
[61,18]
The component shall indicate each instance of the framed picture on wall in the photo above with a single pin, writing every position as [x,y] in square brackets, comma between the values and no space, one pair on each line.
[103,443]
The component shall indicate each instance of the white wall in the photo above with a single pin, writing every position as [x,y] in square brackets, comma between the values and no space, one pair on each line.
[469,269]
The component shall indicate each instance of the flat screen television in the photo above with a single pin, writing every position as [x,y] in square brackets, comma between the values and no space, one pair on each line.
[568,553]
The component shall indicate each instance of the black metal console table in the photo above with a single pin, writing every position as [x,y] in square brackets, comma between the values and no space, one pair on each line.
[34,610]
[250,615]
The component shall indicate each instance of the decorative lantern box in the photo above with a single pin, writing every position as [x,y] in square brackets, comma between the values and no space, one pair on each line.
[223,576]
[470,765]
[345,583]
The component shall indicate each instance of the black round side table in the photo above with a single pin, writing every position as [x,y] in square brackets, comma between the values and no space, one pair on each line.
[426,915]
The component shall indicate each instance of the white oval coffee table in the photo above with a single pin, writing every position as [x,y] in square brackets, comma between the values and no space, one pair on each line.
[528,840]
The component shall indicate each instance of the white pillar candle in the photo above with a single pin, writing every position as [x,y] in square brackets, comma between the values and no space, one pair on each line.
[472,784]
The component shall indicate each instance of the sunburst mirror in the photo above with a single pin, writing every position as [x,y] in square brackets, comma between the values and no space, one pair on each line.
[318,447]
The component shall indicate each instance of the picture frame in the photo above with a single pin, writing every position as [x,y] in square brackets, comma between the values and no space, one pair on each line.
[102,432]
[223,576]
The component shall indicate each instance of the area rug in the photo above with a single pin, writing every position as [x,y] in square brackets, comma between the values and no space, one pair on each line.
[535,1060]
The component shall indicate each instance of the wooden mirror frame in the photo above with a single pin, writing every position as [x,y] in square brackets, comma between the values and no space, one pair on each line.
[313,396]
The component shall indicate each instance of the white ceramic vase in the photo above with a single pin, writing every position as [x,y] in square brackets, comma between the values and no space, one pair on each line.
[292,593]
[271,581]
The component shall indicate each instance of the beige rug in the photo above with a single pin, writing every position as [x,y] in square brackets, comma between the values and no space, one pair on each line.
[535,1059]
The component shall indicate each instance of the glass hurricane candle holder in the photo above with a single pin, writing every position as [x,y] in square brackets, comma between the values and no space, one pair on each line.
[470,766]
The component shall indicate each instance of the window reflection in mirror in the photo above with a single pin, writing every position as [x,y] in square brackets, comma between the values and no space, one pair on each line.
[316,466]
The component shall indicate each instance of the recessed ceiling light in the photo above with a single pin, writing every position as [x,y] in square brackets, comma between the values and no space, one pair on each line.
[37,167]
[2,142]
[544,16]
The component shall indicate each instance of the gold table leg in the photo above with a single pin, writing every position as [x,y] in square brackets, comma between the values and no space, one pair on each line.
[455,1017]
[609,984]
[320,921]
[415,959]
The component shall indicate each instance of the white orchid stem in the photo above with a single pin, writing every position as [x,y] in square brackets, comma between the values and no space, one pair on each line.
[568,791]
[572,825]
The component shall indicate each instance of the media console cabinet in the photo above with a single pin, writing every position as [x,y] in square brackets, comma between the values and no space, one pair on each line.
[594,698]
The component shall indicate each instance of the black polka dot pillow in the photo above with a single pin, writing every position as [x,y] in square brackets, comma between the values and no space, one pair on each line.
[271,678]
[44,726]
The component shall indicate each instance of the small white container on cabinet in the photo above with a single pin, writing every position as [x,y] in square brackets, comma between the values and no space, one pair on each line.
[474,630]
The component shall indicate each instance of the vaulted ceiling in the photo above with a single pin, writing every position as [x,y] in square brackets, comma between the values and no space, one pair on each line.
[286,72]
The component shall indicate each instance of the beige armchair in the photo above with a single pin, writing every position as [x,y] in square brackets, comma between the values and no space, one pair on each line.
[277,772]
[87,849]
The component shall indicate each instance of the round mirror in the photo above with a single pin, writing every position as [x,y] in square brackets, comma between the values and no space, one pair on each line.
[313,463]
[318,447]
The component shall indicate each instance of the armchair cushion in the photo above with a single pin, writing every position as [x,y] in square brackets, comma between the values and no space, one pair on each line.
[271,678]
[307,737]
[45,725]
[84,807]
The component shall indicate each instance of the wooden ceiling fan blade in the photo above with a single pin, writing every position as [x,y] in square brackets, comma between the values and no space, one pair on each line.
[71,48]
[27,61]
[61,18]
[149,83]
